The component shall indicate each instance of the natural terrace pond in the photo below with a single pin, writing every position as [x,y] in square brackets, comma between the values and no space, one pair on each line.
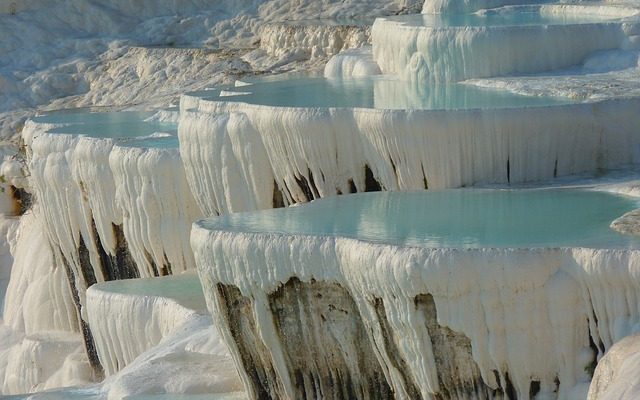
[372,92]
[117,124]
[463,218]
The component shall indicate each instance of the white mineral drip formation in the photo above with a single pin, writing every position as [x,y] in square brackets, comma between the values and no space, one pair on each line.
[308,153]
[530,314]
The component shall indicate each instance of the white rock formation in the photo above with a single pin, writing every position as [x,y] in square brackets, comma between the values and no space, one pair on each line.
[314,38]
[306,153]
[616,376]
[352,64]
[128,317]
[529,315]
[455,53]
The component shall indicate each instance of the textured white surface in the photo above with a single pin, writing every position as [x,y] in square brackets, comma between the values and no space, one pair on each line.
[192,359]
[40,346]
[465,6]
[459,53]
[156,205]
[352,64]
[402,148]
[616,376]
[125,324]
[314,39]
[528,312]
[81,53]
[83,181]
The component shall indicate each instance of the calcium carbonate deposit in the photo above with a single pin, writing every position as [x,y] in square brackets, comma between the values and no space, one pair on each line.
[183,212]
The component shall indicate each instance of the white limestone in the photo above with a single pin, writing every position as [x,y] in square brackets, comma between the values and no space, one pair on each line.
[528,313]
[40,346]
[457,53]
[126,321]
[402,148]
[99,184]
[616,376]
[352,64]
[314,38]
[191,360]
[156,205]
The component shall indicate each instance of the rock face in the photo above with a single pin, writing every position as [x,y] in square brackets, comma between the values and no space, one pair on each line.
[315,39]
[433,53]
[109,211]
[616,376]
[339,360]
[628,223]
[441,323]
[306,153]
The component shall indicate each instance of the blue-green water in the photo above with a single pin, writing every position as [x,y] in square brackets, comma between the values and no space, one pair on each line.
[374,92]
[184,289]
[507,16]
[117,125]
[453,218]
[157,142]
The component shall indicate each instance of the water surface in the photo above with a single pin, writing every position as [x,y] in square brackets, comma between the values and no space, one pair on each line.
[117,124]
[453,218]
[381,92]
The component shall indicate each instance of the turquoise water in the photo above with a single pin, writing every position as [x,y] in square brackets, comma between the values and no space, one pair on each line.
[374,92]
[156,142]
[72,393]
[185,289]
[508,16]
[453,218]
[121,124]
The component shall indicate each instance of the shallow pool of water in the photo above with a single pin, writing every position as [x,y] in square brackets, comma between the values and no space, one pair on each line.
[117,124]
[373,92]
[155,142]
[184,289]
[453,218]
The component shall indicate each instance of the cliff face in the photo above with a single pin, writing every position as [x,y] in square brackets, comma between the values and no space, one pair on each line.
[441,323]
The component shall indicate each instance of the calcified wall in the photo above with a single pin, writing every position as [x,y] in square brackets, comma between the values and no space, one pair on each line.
[458,53]
[100,233]
[442,323]
[298,154]
[616,376]
[225,162]
[467,6]
[124,325]
[312,39]
[352,64]
[157,207]
[41,344]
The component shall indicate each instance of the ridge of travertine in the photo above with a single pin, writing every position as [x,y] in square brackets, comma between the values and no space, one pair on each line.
[98,203]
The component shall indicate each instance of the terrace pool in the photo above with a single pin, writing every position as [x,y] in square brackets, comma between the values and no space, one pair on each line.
[117,125]
[379,92]
[452,218]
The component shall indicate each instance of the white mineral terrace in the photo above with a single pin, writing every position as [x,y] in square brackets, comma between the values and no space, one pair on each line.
[314,38]
[128,317]
[445,293]
[497,42]
[531,278]
[285,137]
[108,181]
